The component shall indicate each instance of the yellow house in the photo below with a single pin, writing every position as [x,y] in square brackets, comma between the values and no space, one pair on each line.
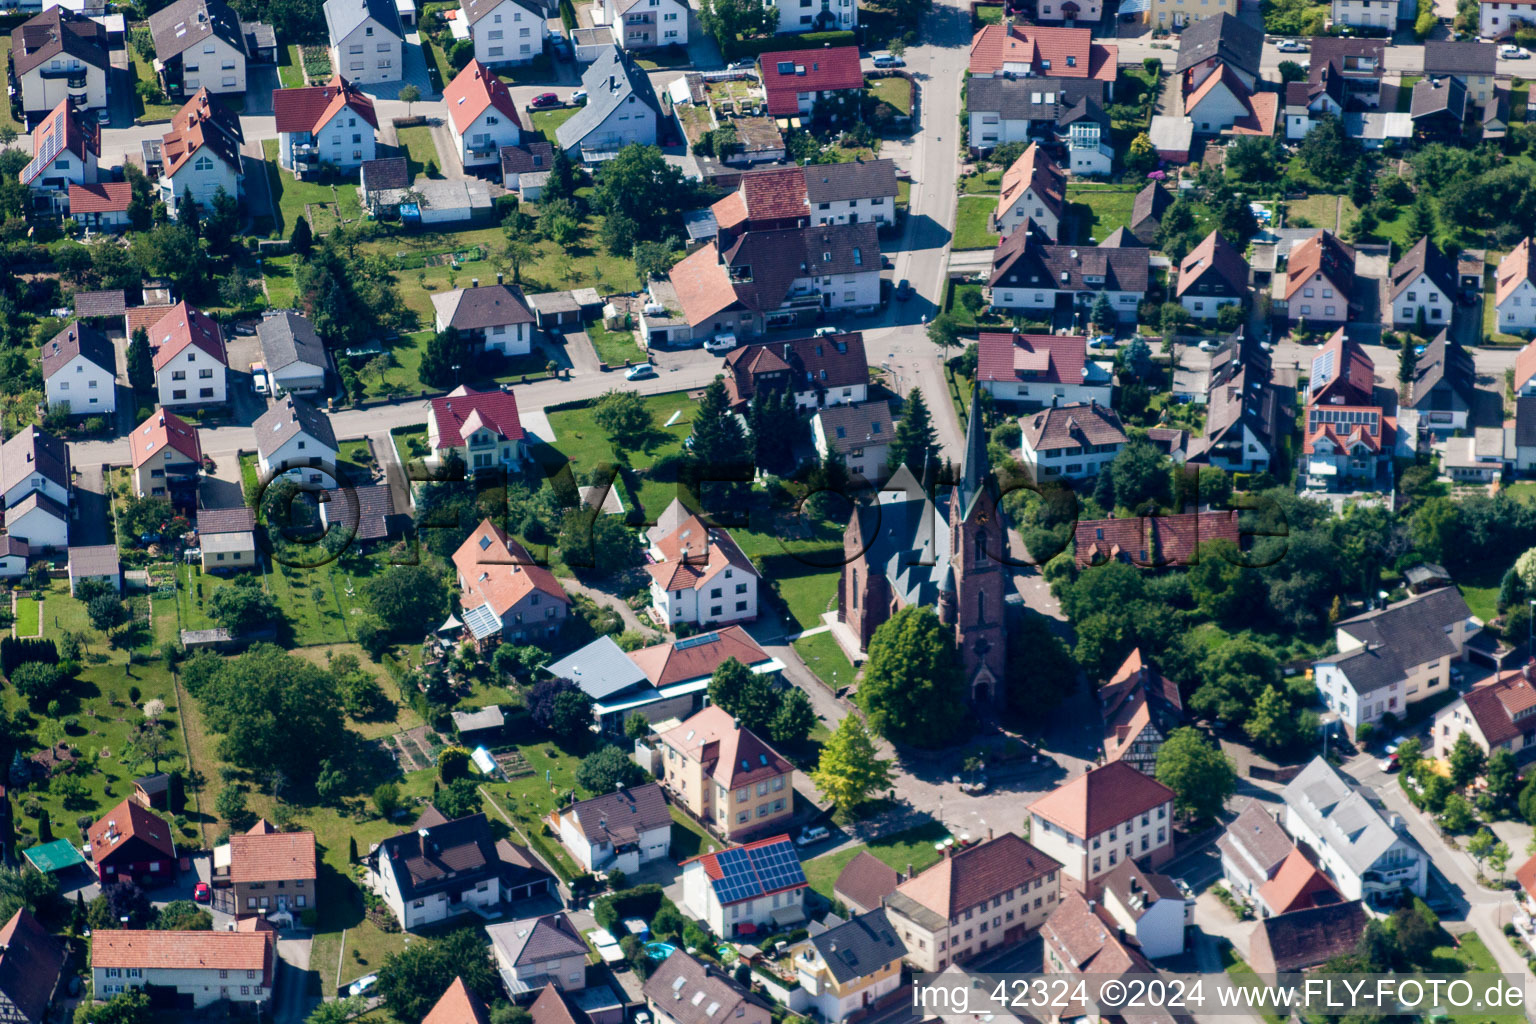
[1175,14]
[851,966]
[726,776]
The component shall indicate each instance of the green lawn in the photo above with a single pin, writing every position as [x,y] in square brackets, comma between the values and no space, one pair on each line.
[893,90]
[1099,211]
[420,151]
[583,443]
[990,15]
[912,847]
[826,659]
[1479,587]
[6,120]
[290,70]
[144,71]
[972,223]
[1405,93]
[321,205]
[548,122]
[982,182]
[277,277]
[1321,211]
[403,441]
[809,590]
[437,61]
[614,347]
[28,617]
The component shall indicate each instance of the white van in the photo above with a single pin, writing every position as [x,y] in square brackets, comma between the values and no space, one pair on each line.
[720,344]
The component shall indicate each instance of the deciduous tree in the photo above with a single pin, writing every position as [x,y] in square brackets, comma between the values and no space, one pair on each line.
[912,690]
[850,771]
[606,769]
[413,979]
[1201,776]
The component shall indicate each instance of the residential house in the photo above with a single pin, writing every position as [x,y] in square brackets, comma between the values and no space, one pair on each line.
[1525,433]
[994,893]
[1214,274]
[860,435]
[746,890]
[324,125]
[1444,391]
[227,537]
[1497,715]
[1305,102]
[480,427]
[292,352]
[199,44]
[1147,212]
[437,871]
[1139,707]
[1439,109]
[295,438]
[1395,656]
[490,318]
[366,512]
[700,576]
[850,966]
[1351,448]
[1070,442]
[1089,153]
[96,562]
[14,554]
[459,1005]
[80,371]
[1040,51]
[681,990]
[1000,110]
[66,148]
[1247,415]
[641,25]
[1366,855]
[505,31]
[131,843]
[482,116]
[824,16]
[262,870]
[865,882]
[503,592]
[1514,296]
[166,454]
[1080,937]
[795,80]
[620,831]
[526,158]
[1032,276]
[380,181]
[1473,63]
[1422,288]
[767,199]
[1267,871]
[1150,907]
[34,470]
[1101,817]
[1222,104]
[1184,12]
[1382,15]
[1219,43]
[621,109]
[196,969]
[102,206]
[1342,374]
[1306,938]
[31,964]
[1317,282]
[59,55]
[847,193]
[1481,457]
[1032,196]
[725,776]
[199,155]
[820,372]
[1499,18]
[1357,62]
[190,361]
[367,40]
[539,951]
[1040,369]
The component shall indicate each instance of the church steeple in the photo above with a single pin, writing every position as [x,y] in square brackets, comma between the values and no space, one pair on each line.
[973,467]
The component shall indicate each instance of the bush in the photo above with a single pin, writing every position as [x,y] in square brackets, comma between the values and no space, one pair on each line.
[642,901]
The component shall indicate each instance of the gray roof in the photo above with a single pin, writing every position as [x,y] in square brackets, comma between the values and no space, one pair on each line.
[1448,57]
[58,31]
[107,302]
[1525,421]
[623,816]
[78,340]
[1257,835]
[860,947]
[94,560]
[342,16]
[225,520]
[367,509]
[855,426]
[288,338]
[488,717]
[528,158]
[1445,376]
[1150,202]
[906,539]
[1423,257]
[286,419]
[30,450]
[1414,627]
[609,81]
[385,172]
[1025,99]
[690,992]
[1439,96]
[601,669]
[1235,42]
[1337,814]
[861,179]
[489,305]
[535,940]
[186,23]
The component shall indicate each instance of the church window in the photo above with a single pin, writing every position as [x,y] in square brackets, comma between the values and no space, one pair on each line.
[855,588]
[981,606]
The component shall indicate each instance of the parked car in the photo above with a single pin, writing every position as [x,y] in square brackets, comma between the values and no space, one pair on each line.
[1105,341]
[811,834]
[640,371]
[364,986]
[822,332]
[562,47]
[259,379]
[579,98]
[886,59]
[740,65]
[1209,345]
[201,893]
[720,344]
[1511,52]
[1291,46]
[904,290]
[544,99]
[1388,764]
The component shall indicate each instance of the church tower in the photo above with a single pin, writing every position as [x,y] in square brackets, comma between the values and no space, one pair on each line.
[978,545]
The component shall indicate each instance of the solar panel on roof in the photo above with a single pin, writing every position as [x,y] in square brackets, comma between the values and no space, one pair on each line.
[52,142]
[482,622]
[695,641]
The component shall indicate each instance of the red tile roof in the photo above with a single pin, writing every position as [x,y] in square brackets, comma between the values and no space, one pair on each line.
[1033,170]
[67,129]
[183,326]
[1049,358]
[1321,254]
[498,571]
[666,664]
[1514,268]
[311,108]
[1342,369]
[701,281]
[866,881]
[788,73]
[1151,540]
[977,874]
[1494,705]
[694,554]
[161,429]
[105,197]
[1100,800]
[457,1006]
[1525,874]
[732,755]
[129,820]
[775,194]
[472,91]
[202,122]
[179,950]
[1298,885]
[711,862]
[1072,53]
[261,856]
[490,410]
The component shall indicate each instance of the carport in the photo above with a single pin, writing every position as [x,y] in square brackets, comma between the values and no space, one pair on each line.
[56,858]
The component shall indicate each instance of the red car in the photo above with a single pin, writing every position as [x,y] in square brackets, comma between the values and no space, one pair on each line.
[545,99]
[200,892]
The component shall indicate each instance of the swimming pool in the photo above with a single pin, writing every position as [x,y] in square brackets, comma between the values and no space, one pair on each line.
[659,950]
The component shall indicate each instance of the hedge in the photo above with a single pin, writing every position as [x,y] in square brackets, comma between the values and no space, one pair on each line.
[640,901]
[808,41]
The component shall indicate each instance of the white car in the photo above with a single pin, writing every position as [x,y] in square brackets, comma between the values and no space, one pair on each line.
[578,98]
[886,59]
[811,834]
[720,344]
[823,332]
[1512,52]
[364,986]
[1209,345]
[640,371]
[1291,46]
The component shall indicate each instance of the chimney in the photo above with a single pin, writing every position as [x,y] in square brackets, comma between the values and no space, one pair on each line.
[989,833]
[498,277]
[474,282]
[735,723]
[1396,822]
[908,874]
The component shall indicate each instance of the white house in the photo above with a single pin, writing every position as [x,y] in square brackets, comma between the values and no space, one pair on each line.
[1034,192]
[332,124]
[495,318]
[481,427]
[80,371]
[1101,818]
[1150,907]
[744,889]
[292,351]
[65,150]
[620,831]
[814,16]
[621,109]
[191,367]
[13,557]
[1378,14]
[200,154]
[437,871]
[539,951]
[1497,715]
[296,439]
[645,24]
[847,193]
[1423,284]
[481,115]
[199,44]
[1498,18]
[1089,154]
[60,55]
[504,31]
[1039,369]
[367,40]
[1395,656]
[1368,856]
[1032,276]
[101,207]
[1514,291]
[858,434]
[200,967]
[35,473]
[1070,442]
[700,576]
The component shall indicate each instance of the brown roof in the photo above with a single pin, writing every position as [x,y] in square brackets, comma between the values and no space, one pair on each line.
[107,302]
[58,31]
[1071,425]
[1101,799]
[1306,938]
[694,554]
[1322,254]
[489,305]
[77,340]
[162,429]
[498,571]
[182,326]
[1152,540]
[1494,706]
[1060,52]
[536,939]
[272,856]
[525,157]
[1258,835]
[176,950]
[457,1006]
[146,317]
[202,123]
[774,194]
[1049,358]
[100,197]
[865,881]
[686,989]
[177,27]
[550,1008]
[310,108]
[622,816]
[1033,170]
[670,663]
[732,755]
[1086,942]
[978,873]
[226,520]
[1514,268]
[128,820]
[804,364]
[30,963]
[1214,257]
[1298,885]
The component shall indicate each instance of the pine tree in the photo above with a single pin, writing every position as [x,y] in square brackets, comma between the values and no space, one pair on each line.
[301,241]
[141,362]
[915,440]
[187,213]
[1421,218]
[717,435]
[1407,366]
[849,771]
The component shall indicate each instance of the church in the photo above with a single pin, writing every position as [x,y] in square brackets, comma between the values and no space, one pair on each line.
[906,548]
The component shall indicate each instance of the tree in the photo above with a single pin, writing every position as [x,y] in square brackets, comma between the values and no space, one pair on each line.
[1220,581]
[1140,475]
[1528,803]
[1498,858]
[459,799]
[129,1007]
[637,726]
[339,1011]
[717,437]
[1039,673]
[106,612]
[445,358]
[590,540]
[1103,317]
[183,916]
[231,807]
[413,979]
[912,690]
[117,901]
[794,719]
[849,771]
[1273,723]
[1201,776]
[1503,778]
[624,417]
[563,178]
[1235,675]
[743,694]
[38,682]
[141,202]
[27,890]
[1480,846]
[1421,218]
[1290,71]
[560,706]
[726,21]
[141,365]
[518,252]
[607,769]
[653,260]
[915,442]
[1251,158]
[1141,156]
[386,800]
[649,195]
[188,214]
[944,332]
[452,763]
[1457,815]
[222,226]
[408,95]
[1327,151]
[410,600]
[301,241]
[1407,364]
[243,607]
[1466,761]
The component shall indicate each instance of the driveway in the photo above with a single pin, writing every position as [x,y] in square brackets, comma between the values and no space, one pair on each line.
[260,80]
[91,511]
[292,1002]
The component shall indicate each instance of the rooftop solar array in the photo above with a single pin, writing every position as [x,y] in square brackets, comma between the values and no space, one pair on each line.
[52,142]
[695,641]
[1322,369]
[747,873]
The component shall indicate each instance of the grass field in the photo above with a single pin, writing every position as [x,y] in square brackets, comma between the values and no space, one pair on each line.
[320,204]
[1479,587]
[913,847]
[614,347]
[972,223]
[420,151]
[548,122]
[583,443]
[1099,211]
[290,68]
[277,276]
[144,71]
[6,120]
[826,659]
[895,91]
[982,182]
[1320,211]
[29,615]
